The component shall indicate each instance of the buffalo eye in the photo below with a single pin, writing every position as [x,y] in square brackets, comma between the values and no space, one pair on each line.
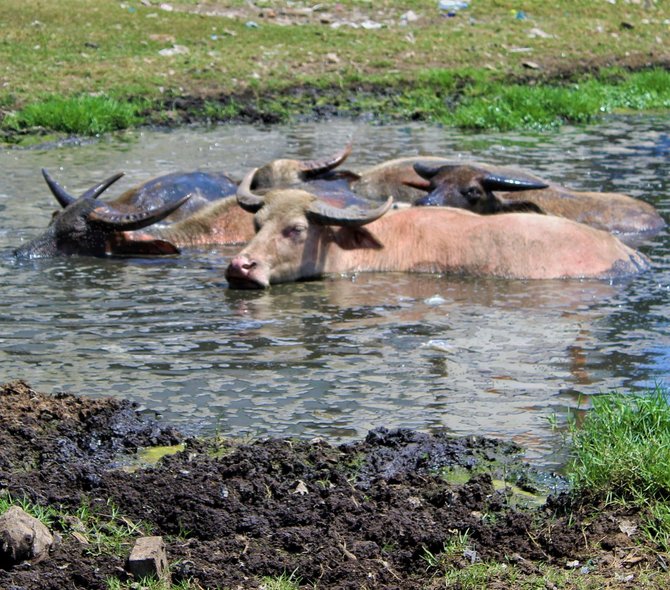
[295,231]
[472,193]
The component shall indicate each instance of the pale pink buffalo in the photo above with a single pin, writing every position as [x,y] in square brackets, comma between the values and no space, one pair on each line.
[298,236]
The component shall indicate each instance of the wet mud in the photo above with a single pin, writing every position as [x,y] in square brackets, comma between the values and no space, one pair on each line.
[365,514]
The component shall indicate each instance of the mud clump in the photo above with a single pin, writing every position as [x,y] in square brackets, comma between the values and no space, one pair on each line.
[362,514]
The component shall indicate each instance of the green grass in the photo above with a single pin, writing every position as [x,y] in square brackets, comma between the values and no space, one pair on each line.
[491,104]
[102,530]
[448,98]
[152,584]
[45,514]
[621,454]
[82,115]
[283,582]
[100,63]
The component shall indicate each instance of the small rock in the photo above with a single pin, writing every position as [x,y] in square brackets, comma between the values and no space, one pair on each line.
[23,537]
[174,50]
[148,559]
[535,32]
[371,25]
[409,17]
[627,527]
[301,488]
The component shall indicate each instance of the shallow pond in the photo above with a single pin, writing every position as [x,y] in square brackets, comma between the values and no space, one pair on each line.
[337,357]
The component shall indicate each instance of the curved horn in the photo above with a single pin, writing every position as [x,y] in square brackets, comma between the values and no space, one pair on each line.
[62,196]
[351,216]
[95,191]
[65,199]
[493,182]
[118,220]
[247,200]
[315,167]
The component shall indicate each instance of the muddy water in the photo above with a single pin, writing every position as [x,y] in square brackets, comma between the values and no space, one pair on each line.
[337,357]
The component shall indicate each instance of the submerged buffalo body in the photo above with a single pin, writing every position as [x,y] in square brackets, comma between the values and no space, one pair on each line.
[90,227]
[196,208]
[299,238]
[201,187]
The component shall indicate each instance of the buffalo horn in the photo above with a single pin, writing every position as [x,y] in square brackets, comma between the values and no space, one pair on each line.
[118,220]
[247,200]
[65,199]
[315,167]
[95,191]
[351,216]
[57,190]
[493,182]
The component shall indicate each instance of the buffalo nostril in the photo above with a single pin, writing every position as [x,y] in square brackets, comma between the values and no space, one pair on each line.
[242,265]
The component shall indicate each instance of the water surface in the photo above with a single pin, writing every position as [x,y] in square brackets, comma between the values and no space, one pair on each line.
[337,357]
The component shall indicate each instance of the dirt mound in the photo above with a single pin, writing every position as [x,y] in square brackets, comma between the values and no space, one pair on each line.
[365,514]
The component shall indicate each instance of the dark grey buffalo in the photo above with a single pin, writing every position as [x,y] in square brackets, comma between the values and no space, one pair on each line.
[89,226]
[472,188]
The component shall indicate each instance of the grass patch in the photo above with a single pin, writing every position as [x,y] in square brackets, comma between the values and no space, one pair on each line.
[104,531]
[80,115]
[490,104]
[283,582]
[45,514]
[621,454]
[101,530]
[152,584]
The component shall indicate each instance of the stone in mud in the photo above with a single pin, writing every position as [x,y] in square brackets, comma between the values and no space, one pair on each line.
[148,559]
[23,537]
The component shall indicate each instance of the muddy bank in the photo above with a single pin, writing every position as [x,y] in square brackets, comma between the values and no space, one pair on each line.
[363,514]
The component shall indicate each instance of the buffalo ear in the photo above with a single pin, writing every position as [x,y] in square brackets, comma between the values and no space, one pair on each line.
[419,177]
[520,207]
[356,238]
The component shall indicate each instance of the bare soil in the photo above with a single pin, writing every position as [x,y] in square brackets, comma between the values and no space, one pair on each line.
[356,515]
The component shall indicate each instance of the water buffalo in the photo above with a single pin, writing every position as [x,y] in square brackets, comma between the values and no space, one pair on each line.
[299,237]
[472,186]
[486,188]
[199,206]
[89,226]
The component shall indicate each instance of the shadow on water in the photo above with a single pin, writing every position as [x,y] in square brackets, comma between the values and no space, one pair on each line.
[336,357]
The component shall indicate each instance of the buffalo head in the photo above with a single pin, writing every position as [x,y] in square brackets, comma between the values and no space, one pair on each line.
[293,231]
[87,226]
[471,188]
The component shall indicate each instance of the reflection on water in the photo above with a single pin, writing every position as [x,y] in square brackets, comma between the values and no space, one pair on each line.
[337,357]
